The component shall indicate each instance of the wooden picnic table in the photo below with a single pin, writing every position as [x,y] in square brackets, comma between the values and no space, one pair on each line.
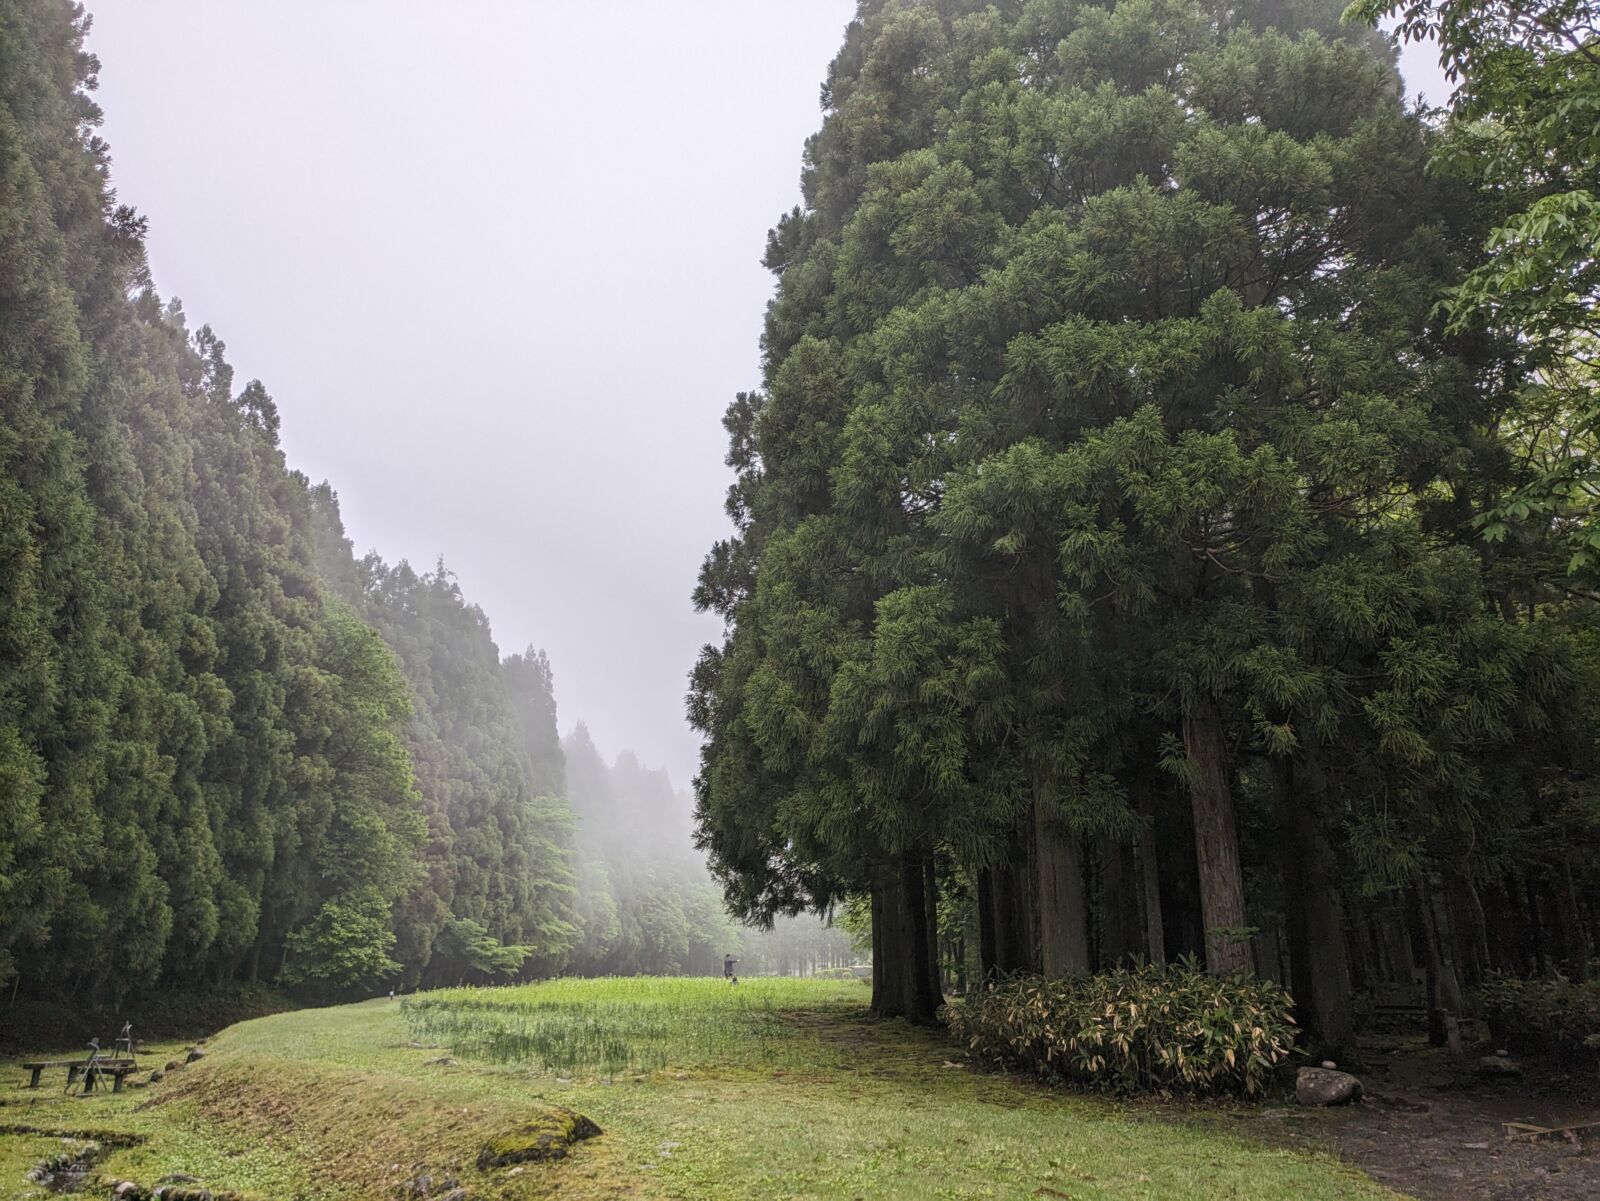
[117,1069]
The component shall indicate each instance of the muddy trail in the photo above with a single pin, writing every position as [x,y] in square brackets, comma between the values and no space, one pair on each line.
[1434,1129]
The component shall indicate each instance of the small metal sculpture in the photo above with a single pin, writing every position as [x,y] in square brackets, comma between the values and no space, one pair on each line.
[91,1068]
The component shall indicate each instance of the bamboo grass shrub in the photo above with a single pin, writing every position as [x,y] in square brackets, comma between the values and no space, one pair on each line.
[1169,1030]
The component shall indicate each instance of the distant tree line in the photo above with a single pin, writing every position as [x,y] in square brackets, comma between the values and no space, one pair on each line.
[1144,545]
[645,902]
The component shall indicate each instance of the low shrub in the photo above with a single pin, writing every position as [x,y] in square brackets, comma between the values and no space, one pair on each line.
[1166,1030]
[1551,1014]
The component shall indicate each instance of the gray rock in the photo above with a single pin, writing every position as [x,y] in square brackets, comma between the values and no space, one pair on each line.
[1330,1065]
[194,1054]
[1322,1086]
[1499,1067]
[443,1061]
[157,1076]
[173,1065]
[178,1178]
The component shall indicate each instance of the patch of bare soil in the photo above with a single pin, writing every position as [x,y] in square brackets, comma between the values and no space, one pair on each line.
[1432,1128]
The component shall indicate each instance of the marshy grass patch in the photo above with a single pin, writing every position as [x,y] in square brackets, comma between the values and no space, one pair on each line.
[613,1026]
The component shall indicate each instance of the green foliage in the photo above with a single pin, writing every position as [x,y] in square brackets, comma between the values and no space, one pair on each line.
[346,945]
[1151,1029]
[465,950]
[1524,127]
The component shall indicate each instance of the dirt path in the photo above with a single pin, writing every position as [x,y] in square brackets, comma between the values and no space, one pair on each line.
[1435,1131]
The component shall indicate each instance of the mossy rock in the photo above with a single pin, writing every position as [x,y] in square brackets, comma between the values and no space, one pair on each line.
[547,1136]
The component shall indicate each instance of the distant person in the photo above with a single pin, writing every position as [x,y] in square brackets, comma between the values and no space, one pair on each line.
[727,969]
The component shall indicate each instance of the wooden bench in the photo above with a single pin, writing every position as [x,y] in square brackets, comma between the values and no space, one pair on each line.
[117,1069]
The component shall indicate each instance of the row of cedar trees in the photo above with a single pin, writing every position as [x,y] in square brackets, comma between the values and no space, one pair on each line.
[1105,554]
[230,750]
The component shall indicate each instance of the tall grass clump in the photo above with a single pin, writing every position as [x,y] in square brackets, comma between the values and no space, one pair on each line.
[621,1024]
[1166,1030]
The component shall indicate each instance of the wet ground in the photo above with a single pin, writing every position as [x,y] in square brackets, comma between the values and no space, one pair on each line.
[1433,1129]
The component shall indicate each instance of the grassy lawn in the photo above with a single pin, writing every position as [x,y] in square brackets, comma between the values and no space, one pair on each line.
[776,1089]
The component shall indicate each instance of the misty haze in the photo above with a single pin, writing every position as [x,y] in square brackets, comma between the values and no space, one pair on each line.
[839,599]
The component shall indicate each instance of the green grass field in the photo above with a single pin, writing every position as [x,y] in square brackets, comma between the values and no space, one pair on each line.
[774,1089]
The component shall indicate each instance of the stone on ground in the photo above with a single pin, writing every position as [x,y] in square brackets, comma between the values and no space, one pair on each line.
[1322,1086]
[548,1136]
[1499,1067]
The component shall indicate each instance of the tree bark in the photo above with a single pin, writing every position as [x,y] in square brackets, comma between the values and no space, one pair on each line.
[988,952]
[1058,887]
[1472,948]
[1216,841]
[881,967]
[1574,937]
[1444,987]
[1535,924]
[930,906]
[1121,925]
[905,961]
[1319,959]
[1149,863]
[1005,916]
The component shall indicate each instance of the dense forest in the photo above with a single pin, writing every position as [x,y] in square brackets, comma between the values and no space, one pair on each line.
[1164,526]
[231,750]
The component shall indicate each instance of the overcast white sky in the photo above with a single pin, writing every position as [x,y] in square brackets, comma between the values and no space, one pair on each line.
[498,263]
